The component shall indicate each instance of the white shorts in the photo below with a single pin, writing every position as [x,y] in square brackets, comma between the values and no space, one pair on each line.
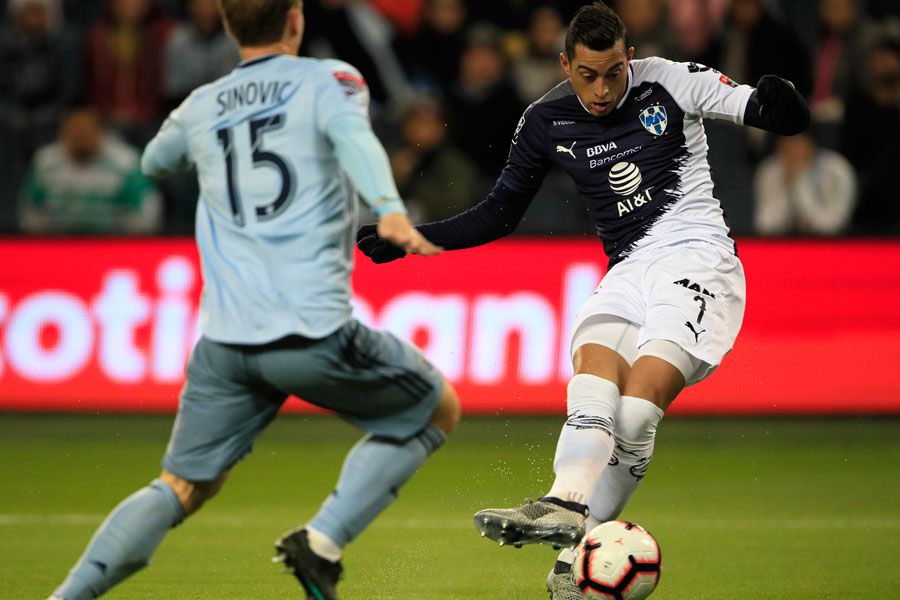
[691,294]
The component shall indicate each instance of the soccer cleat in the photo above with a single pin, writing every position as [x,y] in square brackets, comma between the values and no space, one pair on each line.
[318,576]
[541,522]
[562,586]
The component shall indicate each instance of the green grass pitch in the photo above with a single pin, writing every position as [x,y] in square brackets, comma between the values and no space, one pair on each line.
[754,509]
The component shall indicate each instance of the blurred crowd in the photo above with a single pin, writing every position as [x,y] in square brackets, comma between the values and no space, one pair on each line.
[84,84]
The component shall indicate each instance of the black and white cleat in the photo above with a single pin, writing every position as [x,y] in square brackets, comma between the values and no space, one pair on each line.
[538,522]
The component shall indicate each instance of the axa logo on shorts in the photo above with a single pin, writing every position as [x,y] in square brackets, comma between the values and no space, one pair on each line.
[624,179]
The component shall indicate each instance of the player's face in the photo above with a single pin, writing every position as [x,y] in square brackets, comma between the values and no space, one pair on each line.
[599,77]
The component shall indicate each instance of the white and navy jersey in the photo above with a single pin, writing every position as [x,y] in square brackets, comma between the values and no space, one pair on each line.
[642,170]
[275,216]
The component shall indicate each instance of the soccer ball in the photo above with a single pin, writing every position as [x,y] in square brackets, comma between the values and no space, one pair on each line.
[617,560]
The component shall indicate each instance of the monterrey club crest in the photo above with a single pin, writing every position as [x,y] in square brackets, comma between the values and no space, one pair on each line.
[654,119]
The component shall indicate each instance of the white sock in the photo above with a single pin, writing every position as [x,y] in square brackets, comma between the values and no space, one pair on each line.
[636,423]
[565,560]
[323,545]
[586,441]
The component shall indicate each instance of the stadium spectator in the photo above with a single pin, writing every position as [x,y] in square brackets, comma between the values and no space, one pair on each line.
[804,190]
[38,72]
[124,59]
[695,23]
[870,138]
[648,28]
[483,104]
[838,55]
[434,178]
[432,54]
[38,77]
[88,181]
[539,69]
[754,42]
[198,51]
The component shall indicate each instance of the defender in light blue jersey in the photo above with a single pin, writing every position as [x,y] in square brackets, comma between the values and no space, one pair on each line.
[276,213]
[281,145]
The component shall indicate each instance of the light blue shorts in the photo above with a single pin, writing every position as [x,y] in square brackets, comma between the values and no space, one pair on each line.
[381,384]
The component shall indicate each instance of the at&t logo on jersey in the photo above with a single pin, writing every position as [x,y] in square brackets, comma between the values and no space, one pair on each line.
[625,178]
[654,119]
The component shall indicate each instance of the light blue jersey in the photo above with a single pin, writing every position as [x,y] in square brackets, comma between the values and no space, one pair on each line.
[276,213]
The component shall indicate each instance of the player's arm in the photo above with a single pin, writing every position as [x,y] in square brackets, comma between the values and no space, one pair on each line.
[342,115]
[496,216]
[776,105]
[167,152]
[363,158]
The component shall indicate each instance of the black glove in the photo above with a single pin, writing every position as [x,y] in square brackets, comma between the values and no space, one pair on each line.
[781,106]
[379,250]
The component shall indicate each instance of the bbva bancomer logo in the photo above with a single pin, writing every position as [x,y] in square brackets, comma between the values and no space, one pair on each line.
[133,337]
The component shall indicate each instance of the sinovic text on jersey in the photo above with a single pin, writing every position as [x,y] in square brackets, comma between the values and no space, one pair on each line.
[248,94]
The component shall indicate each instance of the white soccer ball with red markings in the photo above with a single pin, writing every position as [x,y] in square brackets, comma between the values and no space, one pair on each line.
[617,560]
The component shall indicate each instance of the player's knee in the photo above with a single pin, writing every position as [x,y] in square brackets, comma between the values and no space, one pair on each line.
[636,423]
[447,414]
[193,494]
[600,361]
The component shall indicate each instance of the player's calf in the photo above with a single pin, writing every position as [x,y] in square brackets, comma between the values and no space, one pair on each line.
[373,472]
[131,533]
[636,425]
[124,542]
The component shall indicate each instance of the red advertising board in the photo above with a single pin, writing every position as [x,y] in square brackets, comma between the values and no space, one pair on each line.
[108,324]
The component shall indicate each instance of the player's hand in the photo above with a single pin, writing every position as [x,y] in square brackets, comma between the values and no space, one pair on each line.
[397,229]
[379,250]
[771,89]
[781,105]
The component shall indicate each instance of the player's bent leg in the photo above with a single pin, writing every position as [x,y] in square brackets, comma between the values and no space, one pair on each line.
[584,448]
[372,474]
[313,553]
[654,376]
[388,389]
[658,376]
[124,542]
[586,440]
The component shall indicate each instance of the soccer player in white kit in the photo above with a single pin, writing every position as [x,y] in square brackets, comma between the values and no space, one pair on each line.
[630,134]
